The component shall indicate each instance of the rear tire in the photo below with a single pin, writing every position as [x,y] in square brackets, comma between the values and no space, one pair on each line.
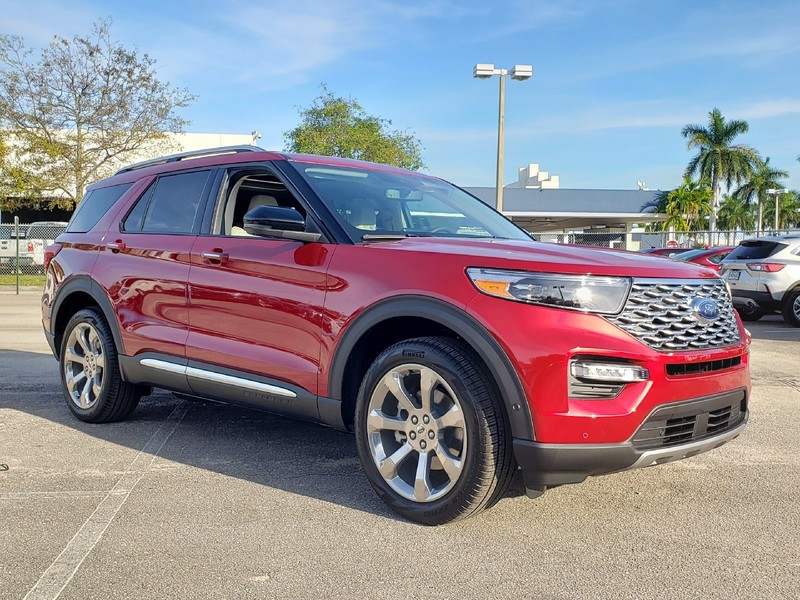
[431,433]
[93,387]
[791,308]
[750,313]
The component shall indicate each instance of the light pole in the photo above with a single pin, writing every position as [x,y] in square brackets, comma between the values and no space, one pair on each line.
[520,73]
[777,194]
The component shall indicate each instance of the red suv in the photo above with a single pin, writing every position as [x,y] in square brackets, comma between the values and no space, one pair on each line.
[394,305]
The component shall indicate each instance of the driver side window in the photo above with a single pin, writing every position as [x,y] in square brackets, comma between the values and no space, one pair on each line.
[248,190]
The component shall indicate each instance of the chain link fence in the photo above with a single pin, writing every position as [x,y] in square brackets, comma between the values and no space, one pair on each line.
[22,246]
[641,240]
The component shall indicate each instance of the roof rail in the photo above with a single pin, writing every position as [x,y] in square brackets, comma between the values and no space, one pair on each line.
[192,154]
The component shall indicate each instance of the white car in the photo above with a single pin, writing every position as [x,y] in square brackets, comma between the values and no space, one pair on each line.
[764,277]
[40,235]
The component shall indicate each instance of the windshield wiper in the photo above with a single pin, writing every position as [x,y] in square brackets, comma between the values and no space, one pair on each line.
[388,237]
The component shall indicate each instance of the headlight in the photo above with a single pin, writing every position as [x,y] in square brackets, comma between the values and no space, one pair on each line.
[588,293]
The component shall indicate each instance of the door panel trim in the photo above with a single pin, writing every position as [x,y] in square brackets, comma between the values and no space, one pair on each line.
[215,377]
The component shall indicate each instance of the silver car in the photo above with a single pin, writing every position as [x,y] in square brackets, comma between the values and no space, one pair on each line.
[764,277]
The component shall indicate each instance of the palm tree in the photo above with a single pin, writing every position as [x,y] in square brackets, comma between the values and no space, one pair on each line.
[689,205]
[763,178]
[788,213]
[735,213]
[718,159]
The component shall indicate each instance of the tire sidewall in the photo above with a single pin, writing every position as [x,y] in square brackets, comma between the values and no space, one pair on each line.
[789,316]
[89,316]
[475,431]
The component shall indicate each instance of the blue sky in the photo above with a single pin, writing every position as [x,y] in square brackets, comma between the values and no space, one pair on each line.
[614,81]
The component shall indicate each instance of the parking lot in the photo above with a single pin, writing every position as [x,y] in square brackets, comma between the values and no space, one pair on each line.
[201,500]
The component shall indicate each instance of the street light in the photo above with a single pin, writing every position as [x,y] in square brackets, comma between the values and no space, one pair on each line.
[777,194]
[520,73]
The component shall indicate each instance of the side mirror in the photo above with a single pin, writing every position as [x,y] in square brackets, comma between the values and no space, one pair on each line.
[279,222]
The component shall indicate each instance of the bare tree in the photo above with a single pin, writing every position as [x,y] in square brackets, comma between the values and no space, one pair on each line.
[80,107]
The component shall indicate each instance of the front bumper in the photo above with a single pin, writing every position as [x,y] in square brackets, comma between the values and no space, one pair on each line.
[671,432]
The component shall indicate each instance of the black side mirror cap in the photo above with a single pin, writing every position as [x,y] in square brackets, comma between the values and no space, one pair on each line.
[279,222]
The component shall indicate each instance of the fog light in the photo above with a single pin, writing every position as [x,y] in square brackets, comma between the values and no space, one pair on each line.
[597,371]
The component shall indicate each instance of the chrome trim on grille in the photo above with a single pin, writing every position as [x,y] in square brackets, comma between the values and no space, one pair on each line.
[658,312]
[163,365]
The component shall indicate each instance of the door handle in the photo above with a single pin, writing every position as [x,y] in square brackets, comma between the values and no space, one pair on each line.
[116,246]
[215,255]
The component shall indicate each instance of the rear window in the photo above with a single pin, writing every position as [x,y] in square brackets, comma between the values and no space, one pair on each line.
[169,205]
[93,206]
[755,249]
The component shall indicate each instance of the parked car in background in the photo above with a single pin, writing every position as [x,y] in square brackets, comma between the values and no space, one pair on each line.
[667,252]
[764,277]
[12,257]
[708,257]
[40,235]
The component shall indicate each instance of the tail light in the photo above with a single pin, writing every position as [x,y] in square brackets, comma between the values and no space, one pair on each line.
[50,253]
[768,267]
[30,247]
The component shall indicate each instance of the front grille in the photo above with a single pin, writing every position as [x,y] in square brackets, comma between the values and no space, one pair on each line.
[709,366]
[684,422]
[659,314]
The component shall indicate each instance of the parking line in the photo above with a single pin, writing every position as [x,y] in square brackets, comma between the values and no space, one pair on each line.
[63,569]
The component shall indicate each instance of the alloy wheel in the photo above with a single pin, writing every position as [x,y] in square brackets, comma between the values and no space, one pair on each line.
[84,365]
[416,432]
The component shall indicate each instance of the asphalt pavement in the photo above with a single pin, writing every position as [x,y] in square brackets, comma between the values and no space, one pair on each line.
[201,500]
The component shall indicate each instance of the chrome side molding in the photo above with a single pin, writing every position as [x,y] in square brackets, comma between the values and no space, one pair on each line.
[163,365]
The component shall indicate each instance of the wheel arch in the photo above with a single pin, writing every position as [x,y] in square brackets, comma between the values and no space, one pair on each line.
[405,317]
[74,295]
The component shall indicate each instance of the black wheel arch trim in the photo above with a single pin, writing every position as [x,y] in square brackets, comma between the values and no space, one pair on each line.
[86,285]
[465,326]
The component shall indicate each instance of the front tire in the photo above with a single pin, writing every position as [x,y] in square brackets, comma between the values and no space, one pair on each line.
[791,308]
[93,387]
[431,433]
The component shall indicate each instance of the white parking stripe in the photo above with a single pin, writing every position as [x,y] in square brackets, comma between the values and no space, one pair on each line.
[63,569]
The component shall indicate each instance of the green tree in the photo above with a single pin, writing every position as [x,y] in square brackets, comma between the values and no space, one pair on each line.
[686,207]
[718,159]
[788,210]
[763,178]
[80,107]
[735,213]
[335,126]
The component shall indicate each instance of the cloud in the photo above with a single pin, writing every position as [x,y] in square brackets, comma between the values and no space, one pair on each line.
[627,115]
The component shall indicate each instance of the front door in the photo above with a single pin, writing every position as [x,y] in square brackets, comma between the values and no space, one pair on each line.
[256,305]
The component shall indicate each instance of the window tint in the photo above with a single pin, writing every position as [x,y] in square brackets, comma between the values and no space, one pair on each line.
[94,205]
[754,249]
[170,205]
[717,258]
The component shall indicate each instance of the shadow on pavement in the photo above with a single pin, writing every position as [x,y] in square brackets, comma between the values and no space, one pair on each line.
[287,454]
[774,328]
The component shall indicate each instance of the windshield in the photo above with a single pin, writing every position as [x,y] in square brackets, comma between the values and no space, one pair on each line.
[371,204]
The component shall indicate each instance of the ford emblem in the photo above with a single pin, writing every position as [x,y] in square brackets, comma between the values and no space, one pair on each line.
[705,310]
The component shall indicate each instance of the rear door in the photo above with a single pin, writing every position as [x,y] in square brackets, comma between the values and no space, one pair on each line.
[256,302]
[144,264]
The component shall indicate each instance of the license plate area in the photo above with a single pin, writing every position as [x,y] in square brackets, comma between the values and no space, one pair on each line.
[733,275]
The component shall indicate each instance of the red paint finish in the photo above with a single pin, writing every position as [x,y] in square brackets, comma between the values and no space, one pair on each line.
[259,309]
[147,282]
[539,341]
[280,308]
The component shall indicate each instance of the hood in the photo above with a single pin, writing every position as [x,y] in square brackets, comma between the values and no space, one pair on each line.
[551,258]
